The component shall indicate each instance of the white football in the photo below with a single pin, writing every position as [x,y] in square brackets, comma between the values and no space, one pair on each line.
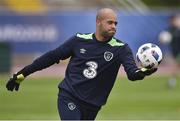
[149,55]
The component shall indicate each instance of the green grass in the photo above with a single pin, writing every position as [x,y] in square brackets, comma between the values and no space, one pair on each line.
[146,100]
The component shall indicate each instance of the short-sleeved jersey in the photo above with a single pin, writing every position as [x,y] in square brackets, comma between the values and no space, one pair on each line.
[93,66]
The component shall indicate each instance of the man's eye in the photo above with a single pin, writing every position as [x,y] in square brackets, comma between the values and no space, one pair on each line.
[110,22]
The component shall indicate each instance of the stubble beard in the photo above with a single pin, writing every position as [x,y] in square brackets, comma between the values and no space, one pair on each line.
[106,35]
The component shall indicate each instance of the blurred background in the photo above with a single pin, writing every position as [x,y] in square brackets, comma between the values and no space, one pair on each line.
[29,28]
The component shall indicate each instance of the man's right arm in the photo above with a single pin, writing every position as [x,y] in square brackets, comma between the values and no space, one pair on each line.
[64,51]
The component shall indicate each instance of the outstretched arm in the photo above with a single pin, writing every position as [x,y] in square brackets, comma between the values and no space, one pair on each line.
[64,51]
[133,72]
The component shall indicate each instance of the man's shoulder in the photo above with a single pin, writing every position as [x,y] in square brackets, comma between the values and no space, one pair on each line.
[86,36]
[116,42]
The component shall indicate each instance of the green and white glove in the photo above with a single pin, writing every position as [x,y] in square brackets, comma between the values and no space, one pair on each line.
[14,82]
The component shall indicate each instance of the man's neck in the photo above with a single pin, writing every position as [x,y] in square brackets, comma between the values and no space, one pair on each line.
[99,37]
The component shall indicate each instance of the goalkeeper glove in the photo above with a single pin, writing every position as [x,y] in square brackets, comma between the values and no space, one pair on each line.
[14,82]
[148,72]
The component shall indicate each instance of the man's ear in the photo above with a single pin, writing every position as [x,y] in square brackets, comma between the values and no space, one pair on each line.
[98,21]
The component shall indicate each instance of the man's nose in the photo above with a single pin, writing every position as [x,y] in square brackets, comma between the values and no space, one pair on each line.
[113,26]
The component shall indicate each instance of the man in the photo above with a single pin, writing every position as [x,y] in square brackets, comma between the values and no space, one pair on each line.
[172,36]
[95,59]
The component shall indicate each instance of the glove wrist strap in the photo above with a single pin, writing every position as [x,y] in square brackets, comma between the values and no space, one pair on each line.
[20,78]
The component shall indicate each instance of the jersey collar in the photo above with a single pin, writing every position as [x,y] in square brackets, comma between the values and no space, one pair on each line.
[96,40]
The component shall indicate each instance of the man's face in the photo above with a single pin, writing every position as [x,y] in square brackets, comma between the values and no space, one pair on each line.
[107,26]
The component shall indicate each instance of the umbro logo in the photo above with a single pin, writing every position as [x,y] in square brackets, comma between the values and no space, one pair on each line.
[82,50]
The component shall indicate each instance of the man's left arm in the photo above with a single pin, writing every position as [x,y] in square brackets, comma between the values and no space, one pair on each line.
[132,71]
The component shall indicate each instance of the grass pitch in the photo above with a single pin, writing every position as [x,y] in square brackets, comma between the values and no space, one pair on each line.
[140,100]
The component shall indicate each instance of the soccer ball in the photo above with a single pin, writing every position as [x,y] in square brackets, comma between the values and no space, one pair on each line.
[149,55]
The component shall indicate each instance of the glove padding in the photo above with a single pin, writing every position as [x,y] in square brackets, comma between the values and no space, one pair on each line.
[14,82]
[148,72]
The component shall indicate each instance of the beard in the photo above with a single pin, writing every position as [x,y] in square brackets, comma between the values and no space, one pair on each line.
[108,34]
